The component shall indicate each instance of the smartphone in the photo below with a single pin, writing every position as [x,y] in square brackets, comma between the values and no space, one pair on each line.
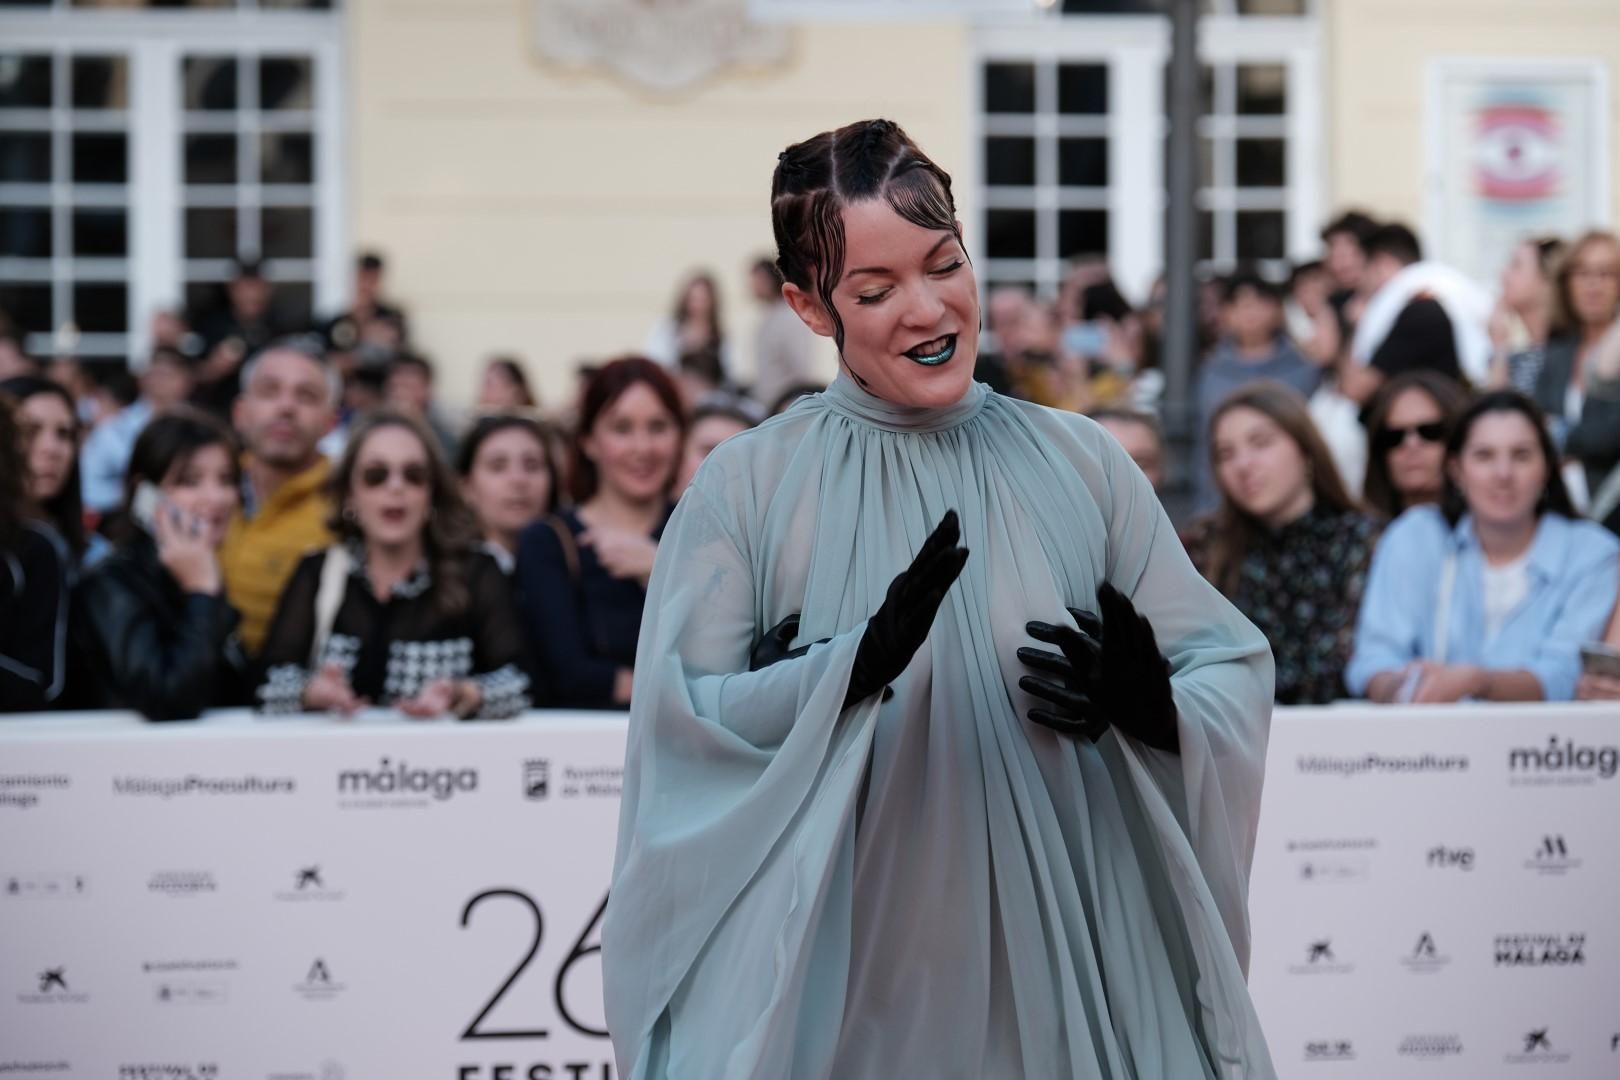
[144,507]
[1600,659]
[1086,339]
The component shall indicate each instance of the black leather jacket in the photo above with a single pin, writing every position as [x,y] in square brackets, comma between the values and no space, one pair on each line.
[153,648]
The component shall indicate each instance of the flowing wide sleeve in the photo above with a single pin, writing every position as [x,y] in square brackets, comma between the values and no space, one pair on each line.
[739,787]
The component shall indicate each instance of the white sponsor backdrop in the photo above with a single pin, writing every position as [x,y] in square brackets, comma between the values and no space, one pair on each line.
[1435,894]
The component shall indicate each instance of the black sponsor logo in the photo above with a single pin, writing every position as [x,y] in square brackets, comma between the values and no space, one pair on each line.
[1320,960]
[536,778]
[1375,764]
[1330,859]
[43,886]
[1562,763]
[206,1070]
[318,984]
[1430,1047]
[190,982]
[594,782]
[1552,857]
[24,1070]
[1330,1050]
[172,967]
[23,791]
[326,1070]
[1541,950]
[1446,858]
[51,986]
[182,882]
[171,787]
[309,886]
[399,784]
[538,1070]
[1537,1048]
[1425,957]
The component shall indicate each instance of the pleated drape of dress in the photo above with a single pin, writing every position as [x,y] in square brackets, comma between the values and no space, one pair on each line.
[930,886]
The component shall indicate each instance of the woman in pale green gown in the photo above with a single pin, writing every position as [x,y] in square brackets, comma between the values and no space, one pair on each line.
[991,812]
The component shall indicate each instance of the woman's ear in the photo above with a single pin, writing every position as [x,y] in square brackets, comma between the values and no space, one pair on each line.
[809,309]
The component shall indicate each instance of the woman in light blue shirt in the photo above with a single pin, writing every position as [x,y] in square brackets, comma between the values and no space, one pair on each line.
[1490,595]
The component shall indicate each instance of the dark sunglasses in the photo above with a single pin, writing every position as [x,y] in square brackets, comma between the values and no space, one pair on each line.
[1389,438]
[375,476]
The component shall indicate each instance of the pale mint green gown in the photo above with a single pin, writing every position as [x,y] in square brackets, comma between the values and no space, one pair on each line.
[929,887]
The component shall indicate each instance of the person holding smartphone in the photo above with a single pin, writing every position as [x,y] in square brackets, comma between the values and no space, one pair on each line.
[1600,666]
[162,637]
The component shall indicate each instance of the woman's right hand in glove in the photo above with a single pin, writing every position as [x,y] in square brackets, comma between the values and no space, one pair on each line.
[901,623]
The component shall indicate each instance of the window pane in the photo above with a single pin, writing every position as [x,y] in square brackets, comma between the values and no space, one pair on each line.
[1009,160]
[286,82]
[203,297]
[1206,90]
[28,305]
[1272,7]
[155,3]
[100,158]
[1262,162]
[1113,7]
[25,232]
[1083,89]
[210,159]
[1260,234]
[1009,88]
[288,232]
[25,157]
[1010,234]
[1206,234]
[210,83]
[1262,89]
[211,233]
[101,308]
[100,82]
[1082,232]
[25,81]
[100,231]
[303,5]
[1083,162]
[287,158]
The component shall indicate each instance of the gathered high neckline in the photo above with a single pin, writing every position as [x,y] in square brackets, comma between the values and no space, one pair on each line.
[846,397]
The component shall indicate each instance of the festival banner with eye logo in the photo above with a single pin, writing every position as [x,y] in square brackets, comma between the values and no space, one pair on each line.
[1513,150]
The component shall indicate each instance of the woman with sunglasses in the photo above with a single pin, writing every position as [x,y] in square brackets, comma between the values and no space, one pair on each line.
[1490,595]
[403,611]
[1406,434]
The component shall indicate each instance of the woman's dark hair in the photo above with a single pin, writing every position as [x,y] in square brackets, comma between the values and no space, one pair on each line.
[169,440]
[606,386]
[745,411]
[1554,495]
[65,512]
[1449,396]
[1236,531]
[817,178]
[451,533]
[487,426]
[13,491]
[683,305]
[514,371]
[1103,300]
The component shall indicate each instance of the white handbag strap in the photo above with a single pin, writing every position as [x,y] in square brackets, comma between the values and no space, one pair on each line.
[328,598]
[1442,614]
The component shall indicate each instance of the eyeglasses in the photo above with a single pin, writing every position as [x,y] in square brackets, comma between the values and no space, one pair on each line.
[1389,438]
[375,476]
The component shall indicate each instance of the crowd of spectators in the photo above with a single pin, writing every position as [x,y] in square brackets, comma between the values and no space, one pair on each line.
[1410,486]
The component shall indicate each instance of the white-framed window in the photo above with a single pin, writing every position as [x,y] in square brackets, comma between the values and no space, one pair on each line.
[142,151]
[1069,108]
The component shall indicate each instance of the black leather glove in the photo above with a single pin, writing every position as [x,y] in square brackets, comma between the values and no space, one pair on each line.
[901,623]
[773,647]
[1110,670]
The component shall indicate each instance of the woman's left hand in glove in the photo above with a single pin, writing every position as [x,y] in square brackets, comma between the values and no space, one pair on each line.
[1109,671]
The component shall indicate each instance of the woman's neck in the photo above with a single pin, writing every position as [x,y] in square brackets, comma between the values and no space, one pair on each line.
[506,541]
[1502,542]
[1592,333]
[615,510]
[1537,322]
[1292,511]
[389,564]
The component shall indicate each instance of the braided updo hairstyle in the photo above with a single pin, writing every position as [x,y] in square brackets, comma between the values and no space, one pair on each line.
[817,178]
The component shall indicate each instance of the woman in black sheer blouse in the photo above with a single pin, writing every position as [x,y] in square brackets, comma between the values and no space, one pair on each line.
[583,573]
[403,610]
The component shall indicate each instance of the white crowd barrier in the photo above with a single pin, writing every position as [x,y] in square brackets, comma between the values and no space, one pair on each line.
[1434,894]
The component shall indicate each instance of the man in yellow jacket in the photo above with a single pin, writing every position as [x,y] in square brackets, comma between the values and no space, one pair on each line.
[288,404]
